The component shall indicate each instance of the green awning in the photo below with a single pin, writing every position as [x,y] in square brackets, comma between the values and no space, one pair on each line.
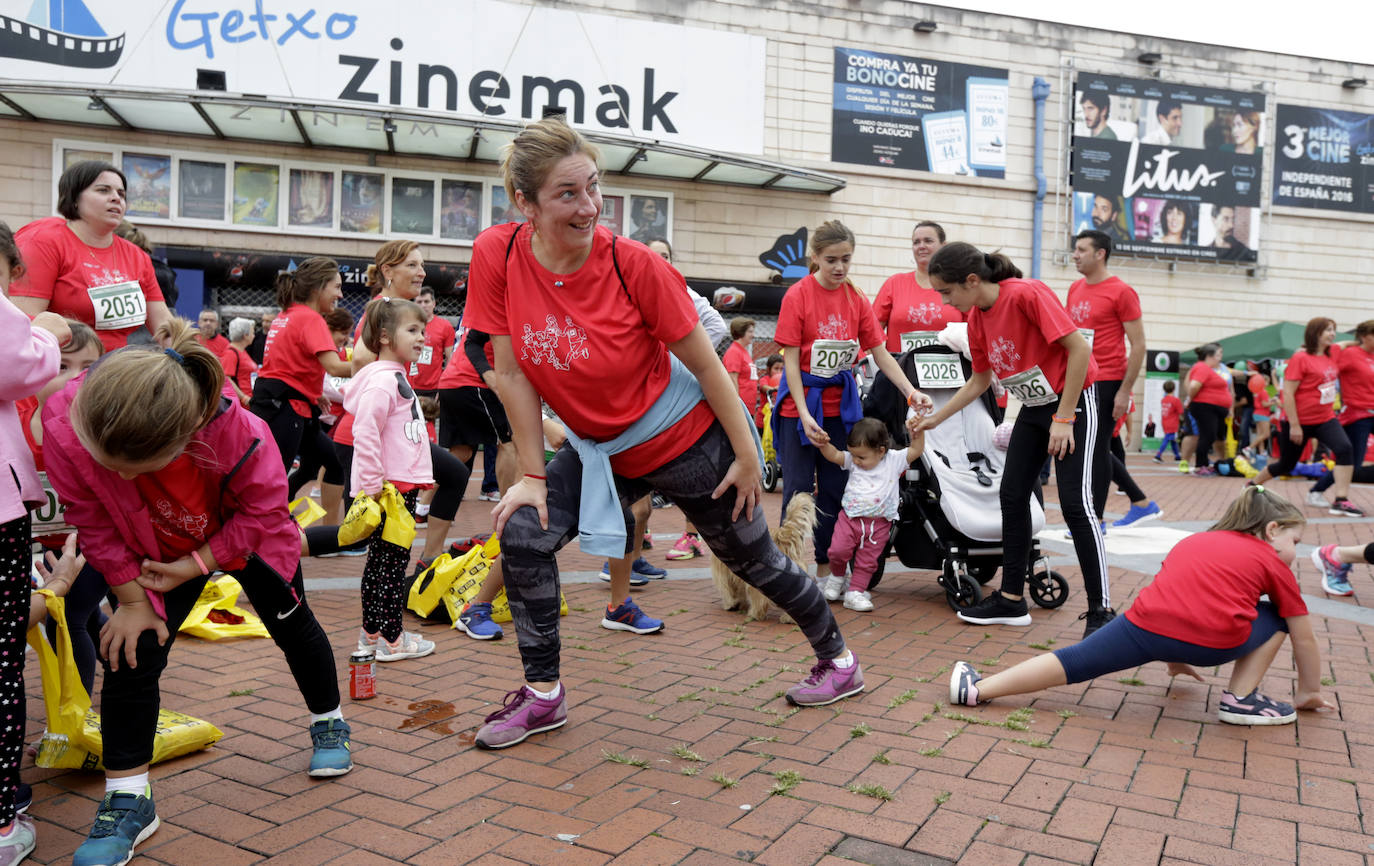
[1277,341]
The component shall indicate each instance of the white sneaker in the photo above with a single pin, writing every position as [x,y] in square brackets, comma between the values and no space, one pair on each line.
[1316,500]
[855,600]
[833,588]
[367,642]
[408,646]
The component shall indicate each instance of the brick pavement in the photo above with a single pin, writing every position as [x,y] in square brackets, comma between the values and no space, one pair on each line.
[680,749]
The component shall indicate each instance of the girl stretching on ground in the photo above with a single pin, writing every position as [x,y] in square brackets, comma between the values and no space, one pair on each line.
[1248,553]
[162,499]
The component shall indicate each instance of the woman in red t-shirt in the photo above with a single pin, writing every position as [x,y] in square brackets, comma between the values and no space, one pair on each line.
[1020,334]
[1356,365]
[824,324]
[1202,609]
[906,307]
[298,353]
[1208,399]
[1310,386]
[75,265]
[237,365]
[571,309]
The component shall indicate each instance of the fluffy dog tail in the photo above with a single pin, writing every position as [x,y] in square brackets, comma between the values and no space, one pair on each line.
[794,535]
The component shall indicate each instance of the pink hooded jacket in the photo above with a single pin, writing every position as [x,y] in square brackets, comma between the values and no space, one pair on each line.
[29,357]
[115,529]
[390,442]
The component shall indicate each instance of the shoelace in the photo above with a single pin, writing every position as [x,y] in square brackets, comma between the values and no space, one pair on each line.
[513,701]
[819,671]
[330,738]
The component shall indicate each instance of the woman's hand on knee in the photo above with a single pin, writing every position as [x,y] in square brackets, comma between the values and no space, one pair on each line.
[747,479]
[529,491]
[122,630]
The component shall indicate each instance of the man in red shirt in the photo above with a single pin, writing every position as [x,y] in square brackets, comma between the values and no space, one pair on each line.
[209,336]
[1107,312]
[439,341]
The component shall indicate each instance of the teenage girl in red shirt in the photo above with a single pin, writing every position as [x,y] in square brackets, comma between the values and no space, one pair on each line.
[1310,387]
[1247,554]
[1020,334]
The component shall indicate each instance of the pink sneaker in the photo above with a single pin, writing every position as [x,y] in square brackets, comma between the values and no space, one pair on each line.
[701,547]
[524,713]
[827,684]
[684,548]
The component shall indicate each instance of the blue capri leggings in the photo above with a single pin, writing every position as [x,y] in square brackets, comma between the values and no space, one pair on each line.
[1121,645]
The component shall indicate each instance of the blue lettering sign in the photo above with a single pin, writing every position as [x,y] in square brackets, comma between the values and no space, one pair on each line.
[188,31]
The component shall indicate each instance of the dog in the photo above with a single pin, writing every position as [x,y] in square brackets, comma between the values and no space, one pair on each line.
[794,537]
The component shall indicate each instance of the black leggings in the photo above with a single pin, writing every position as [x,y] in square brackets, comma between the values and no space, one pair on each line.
[130,697]
[384,581]
[1121,477]
[1110,468]
[1030,439]
[450,479]
[743,545]
[1329,433]
[316,451]
[84,620]
[1208,419]
[16,565]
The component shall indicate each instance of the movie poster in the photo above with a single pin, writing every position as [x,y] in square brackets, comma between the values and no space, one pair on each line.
[1168,170]
[360,202]
[613,213]
[648,219]
[927,115]
[150,185]
[459,216]
[412,206]
[256,194]
[1324,159]
[201,190]
[310,198]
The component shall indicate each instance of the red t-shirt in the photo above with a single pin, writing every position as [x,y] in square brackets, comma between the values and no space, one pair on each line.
[811,312]
[1170,408]
[63,270]
[1317,378]
[907,306]
[298,334]
[592,347]
[1215,389]
[183,504]
[1102,308]
[239,367]
[1208,586]
[425,373]
[218,344]
[459,373]
[740,365]
[1356,367]
[1018,334]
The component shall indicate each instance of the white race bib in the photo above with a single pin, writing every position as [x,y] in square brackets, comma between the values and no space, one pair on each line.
[49,518]
[1087,335]
[1030,387]
[829,357]
[426,356]
[118,306]
[919,340]
[1327,390]
[938,371]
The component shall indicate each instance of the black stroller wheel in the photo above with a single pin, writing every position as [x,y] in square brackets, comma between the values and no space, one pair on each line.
[1049,589]
[770,475]
[961,591]
[983,572]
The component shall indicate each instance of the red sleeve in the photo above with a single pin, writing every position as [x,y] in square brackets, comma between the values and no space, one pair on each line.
[978,353]
[1127,304]
[790,327]
[42,266]
[450,335]
[313,336]
[1194,373]
[1044,309]
[1297,367]
[659,292]
[486,304]
[870,332]
[1283,590]
[882,306]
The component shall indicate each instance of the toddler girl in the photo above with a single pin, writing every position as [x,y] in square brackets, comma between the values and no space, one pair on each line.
[868,507]
[1247,554]
[161,499]
[390,443]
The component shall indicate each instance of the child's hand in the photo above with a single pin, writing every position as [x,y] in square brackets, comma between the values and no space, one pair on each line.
[1178,668]
[167,576]
[1313,700]
[55,325]
[122,629]
[58,574]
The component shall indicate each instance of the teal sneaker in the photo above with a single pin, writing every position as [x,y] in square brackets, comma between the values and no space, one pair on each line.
[333,752]
[121,823]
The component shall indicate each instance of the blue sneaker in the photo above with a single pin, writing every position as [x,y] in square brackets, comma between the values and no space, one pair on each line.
[1335,574]
[636,579]
[628,617]
[476,621]
[121,823]
[645,568]
[1136,514]
[333,753]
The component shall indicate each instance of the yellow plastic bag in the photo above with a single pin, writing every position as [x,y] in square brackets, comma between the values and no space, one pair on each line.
[1231,443]
[363,518]
[305,510]
[399,527]
[215,615]
[73,739]
[476,565]
[427,592]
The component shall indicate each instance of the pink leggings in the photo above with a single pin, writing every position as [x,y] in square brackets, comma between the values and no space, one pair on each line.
[862,540]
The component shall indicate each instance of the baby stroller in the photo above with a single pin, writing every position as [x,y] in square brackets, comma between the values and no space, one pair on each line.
[772,471]
[949,517]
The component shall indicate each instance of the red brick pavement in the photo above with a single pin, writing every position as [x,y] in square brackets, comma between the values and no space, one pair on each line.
[680,749]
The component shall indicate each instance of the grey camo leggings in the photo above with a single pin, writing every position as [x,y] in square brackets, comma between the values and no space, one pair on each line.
[744,545]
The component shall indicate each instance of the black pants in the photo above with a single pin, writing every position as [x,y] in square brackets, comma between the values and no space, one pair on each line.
[84,620]
[1358,434]
[16,565]
[743,545]
[1207,421]
[130,697]
[1120,476]
[450,479]
[1030,438]
[1329,433]
[316,452]
[384,581]
[1109,467]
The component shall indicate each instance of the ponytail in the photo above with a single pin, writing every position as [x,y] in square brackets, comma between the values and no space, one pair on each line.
[299,286]
[111,414]
[953,263]
[1255,509]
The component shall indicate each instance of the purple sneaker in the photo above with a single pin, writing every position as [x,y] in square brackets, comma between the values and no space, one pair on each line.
[827,684]
[525,713]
